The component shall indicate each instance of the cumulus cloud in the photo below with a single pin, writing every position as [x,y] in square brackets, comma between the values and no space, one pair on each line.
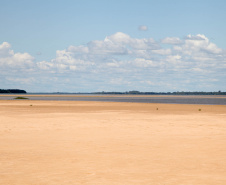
[182,63]
[143,28]
[162,51]
[28,81]
[102,53]
[171,40]
[11,60]
[195,37]
[199,45]
[5,50]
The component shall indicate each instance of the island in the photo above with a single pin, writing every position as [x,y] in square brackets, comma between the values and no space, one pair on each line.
[17,91]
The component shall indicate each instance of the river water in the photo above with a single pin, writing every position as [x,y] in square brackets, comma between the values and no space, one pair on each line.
[207,100]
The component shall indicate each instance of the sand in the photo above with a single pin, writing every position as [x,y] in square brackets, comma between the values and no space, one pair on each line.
[73,143]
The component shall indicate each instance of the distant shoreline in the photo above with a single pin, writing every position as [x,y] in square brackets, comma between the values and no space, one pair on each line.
[134,92]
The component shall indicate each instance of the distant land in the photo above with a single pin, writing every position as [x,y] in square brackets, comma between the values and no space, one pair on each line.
[134,92]
[142,93]
[164,93]
[12,91]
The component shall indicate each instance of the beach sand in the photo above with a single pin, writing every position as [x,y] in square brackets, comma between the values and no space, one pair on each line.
[73,143]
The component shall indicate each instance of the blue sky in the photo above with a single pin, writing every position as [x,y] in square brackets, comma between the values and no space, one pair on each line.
[86,46]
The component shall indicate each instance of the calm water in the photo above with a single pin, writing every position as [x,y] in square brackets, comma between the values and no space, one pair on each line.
[208,100]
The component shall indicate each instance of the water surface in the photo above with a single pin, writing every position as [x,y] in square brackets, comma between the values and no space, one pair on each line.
[171,99]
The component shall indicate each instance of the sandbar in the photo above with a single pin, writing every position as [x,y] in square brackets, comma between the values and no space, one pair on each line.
[111,143]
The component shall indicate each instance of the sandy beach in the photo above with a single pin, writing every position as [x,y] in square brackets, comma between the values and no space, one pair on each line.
[101,143]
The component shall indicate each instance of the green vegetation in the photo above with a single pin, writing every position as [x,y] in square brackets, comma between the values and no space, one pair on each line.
[164,93]
[18,91]
[20,98]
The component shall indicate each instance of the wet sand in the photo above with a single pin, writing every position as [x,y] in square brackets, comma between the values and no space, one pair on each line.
[73,142]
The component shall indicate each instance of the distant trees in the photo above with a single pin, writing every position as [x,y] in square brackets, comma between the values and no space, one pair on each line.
[18,91]
[164,93]
[134,92]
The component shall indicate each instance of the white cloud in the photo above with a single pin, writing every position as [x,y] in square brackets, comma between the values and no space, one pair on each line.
[11,60]
[141,62]
[143,28]
[43,65]
[5,50]
[171,40]
[78,49]
[121,59]
[173,58]
[162,51]
[28,81]
[119,37]
[107,47]
[199,45]
[196,37]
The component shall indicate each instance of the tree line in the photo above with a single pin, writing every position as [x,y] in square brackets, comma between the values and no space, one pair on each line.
[12,91]
[134,92]
[165,93]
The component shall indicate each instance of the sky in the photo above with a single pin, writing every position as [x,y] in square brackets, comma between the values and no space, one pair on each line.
[120,45]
